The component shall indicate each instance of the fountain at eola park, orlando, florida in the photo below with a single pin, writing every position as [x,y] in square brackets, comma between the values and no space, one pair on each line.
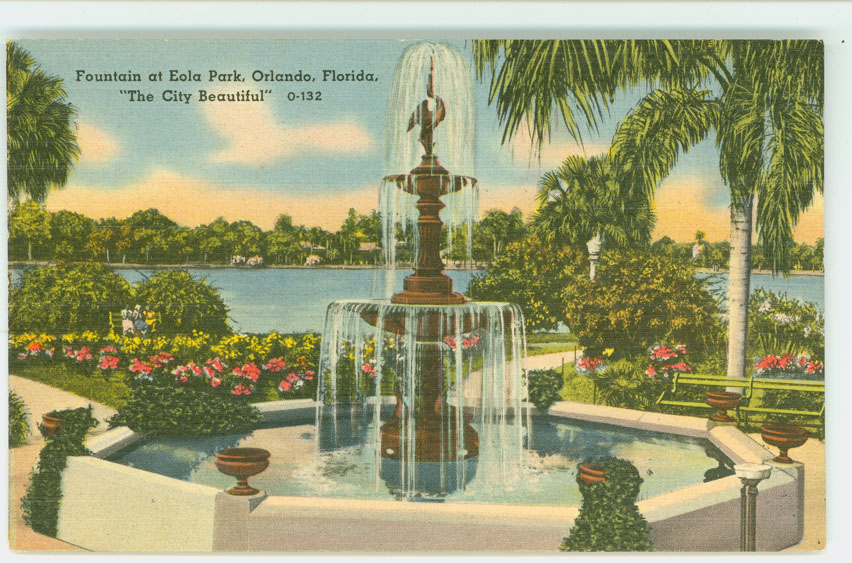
[424,438]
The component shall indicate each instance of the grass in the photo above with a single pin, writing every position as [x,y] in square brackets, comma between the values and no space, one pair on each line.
[111,392]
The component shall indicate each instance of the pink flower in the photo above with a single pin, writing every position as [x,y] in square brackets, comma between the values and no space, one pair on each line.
[466,344]
[291,377]
[215,382]
[366,368]
[249,371]
[184,379]
[108,350]
[285,386]
[69,352]
[22,355]
[51,352]
[216,364]
[651,372]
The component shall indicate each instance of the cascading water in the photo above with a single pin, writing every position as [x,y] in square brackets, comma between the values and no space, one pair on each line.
[434,383]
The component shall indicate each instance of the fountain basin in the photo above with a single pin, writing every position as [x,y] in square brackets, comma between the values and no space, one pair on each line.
[700,517]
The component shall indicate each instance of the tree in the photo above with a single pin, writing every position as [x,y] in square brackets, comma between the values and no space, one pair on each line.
[41,143]
[148,230]
[69,233]
[500,229]
[764,100]
[104,237]
[586,202]
[29,222]
[246,238]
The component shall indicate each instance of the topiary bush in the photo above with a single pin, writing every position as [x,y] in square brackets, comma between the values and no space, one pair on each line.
[67,298]
[609,519]
[19,427]
[544,386]
[44,494]
[184,304]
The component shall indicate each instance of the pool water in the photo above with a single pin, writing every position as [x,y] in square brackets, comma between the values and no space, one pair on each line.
[665,462]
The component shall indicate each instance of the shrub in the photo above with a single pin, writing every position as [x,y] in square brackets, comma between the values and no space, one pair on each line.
[198,401]
[544,387]
[44,494]
[609,519]
[183,303]
[67,298]
[779,325]
[532,275]
[638,299]
[19,427]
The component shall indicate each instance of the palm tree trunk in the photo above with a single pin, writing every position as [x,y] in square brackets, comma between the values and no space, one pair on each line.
[594,248]
[29,251]
[739,278]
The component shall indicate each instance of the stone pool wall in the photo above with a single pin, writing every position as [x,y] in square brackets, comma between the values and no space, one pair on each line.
[109,507]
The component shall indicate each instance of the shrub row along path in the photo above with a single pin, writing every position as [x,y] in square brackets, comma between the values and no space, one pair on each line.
[40,399]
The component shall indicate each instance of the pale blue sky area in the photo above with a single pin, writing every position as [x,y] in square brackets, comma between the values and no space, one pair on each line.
[181,139]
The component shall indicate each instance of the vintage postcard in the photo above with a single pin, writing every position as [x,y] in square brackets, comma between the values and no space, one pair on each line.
[468,295]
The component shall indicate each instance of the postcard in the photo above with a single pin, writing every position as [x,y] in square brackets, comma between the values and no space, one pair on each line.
[467,295]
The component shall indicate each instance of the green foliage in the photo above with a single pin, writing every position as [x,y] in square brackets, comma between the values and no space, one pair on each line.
[19,427]
[544,386]
[640,298]
[41,142]
[609,519]
[531,274]
[183,304]
[625,385]
[66,298]
[159,408]
[779,325]
[44,494]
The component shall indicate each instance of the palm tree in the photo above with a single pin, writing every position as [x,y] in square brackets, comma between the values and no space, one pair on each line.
[584,202]
[41,143]
[763,100]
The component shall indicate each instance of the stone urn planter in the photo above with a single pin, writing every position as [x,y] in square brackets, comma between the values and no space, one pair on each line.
[589,473]
[242,463]
[784,437]
[722,400]
[49,425]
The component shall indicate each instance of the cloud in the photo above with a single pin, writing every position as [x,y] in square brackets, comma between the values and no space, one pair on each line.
[192,201]
[96,146]
[552,153]
[255,136]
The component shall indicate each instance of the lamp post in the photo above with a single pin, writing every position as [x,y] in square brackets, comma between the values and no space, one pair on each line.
[750,474]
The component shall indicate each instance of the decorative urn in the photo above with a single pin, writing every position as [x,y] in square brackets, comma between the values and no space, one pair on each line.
[722,400]
[784,437]
[242,463]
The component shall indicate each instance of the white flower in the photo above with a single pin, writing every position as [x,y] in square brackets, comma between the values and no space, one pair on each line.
[784,319]
[765,307]
[807,331]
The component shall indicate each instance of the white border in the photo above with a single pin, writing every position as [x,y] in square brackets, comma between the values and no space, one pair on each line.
[829,21]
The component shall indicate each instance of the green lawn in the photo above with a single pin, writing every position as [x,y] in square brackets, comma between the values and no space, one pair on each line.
[112,392]
[540,343]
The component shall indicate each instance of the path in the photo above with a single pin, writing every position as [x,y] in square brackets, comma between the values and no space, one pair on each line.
[39,399]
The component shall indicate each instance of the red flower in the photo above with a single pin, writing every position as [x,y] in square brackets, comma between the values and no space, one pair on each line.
[285,385]
[141,367]
[34,348]
[651,372]
[51,352]
[241,390]
[366,368]
[275,365]
[83,354]
[215,382]
[108,350]
[108,362]
[184,379]
[69,352]
[291,377]
[216,364]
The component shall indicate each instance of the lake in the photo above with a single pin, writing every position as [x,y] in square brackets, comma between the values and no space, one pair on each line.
[295,299]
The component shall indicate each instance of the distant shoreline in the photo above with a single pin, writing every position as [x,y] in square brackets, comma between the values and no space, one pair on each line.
[812,273]
[129,266]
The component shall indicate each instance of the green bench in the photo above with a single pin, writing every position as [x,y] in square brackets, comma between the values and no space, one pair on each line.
[748,386]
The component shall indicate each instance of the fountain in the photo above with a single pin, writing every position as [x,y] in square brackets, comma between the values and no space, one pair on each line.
[449,362]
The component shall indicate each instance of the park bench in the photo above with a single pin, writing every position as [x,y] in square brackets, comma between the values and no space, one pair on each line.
[748,386]
[115,326]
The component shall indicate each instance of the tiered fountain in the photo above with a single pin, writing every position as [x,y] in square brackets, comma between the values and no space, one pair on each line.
[450,363]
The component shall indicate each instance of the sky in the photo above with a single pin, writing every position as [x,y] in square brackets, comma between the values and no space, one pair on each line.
[312,160]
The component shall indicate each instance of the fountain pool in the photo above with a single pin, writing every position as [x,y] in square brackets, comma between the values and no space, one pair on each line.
[666,462]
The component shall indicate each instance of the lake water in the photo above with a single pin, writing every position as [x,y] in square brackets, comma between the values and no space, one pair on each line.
[295,299]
